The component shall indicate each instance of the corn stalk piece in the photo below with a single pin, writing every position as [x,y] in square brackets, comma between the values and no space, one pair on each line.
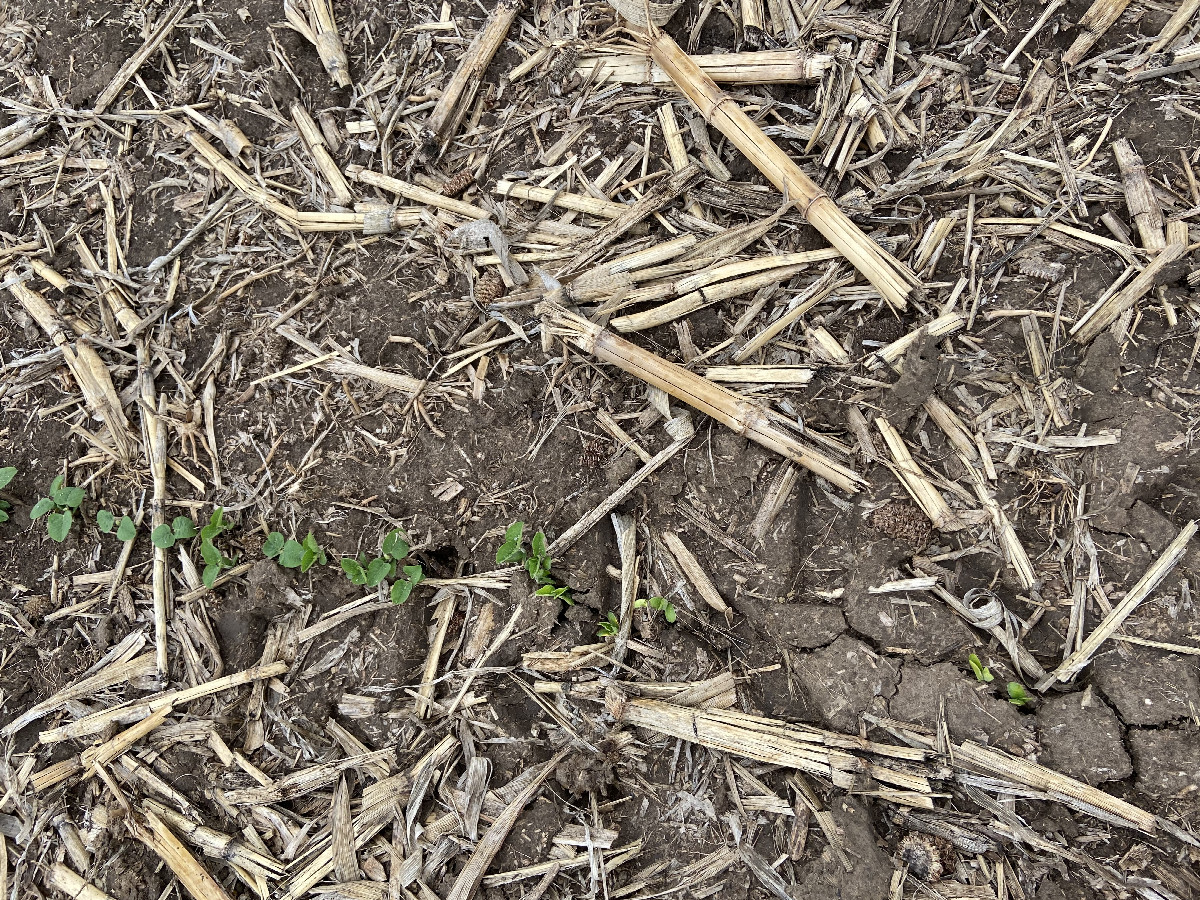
[731,409]
[314,20]
[61,878]
[1098,19]
[1139,195]
[764,67]
[457,95]
[155,834]
[894,280]
[156,39]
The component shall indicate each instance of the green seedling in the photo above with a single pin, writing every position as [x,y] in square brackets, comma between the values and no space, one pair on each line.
[388,566]
[7,474]
[982,673]
[536,559]
[58,508]
[293,554]
[659,604]
[126,530]
[1017,695]
[609,627]
[214,560]
[167,536]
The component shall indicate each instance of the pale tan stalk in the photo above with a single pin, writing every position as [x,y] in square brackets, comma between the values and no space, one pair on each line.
[1100,17]
[459,92]
[61,878]
[158,837]
[416,194]
[149,47]
[891,278]
[314,143]
[761,67]
[583,203]
[1139,195]
[695,573]
[932,503]
[744,416]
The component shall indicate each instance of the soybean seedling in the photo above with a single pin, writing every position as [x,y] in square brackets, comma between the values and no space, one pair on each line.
[294,554]
[388,566]
[1017,695]
[58,508]
[535,559]
[167,536]
[609,626]
[982,673]
[658,604]
[126,530]
[214,560]
[7,474]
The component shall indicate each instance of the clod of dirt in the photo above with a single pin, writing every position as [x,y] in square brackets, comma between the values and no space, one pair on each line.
[529,841]
[932,633]
[825,879]
[903,522]
[804,626]
[916,383]
[1081,738]
[1167,760]
[242,626]
[585,773]
[972,712]
[843,679]
[921,21]
[1147,687]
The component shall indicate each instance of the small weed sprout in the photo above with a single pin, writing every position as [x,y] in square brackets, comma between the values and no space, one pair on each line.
[214,560]
[388,566]
[126,530]
[658,604]
[609,626]
[1017,695]
[7,474]
[535,559]
[982,673]
[293,554]
[58,508]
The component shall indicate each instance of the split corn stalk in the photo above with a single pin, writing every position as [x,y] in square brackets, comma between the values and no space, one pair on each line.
[762,67]
[1101,16]
[731,409]
[894,280]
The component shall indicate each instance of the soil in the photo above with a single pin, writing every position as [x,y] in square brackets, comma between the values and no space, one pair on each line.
[349,461]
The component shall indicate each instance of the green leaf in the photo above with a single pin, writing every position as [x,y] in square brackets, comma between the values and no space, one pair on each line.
[126,530]
[354,571]
[272,545]
[510,551]
[3,515]
[208,532]
[307,560]
[669,613]
[105,521]
[377,571]
[7,474]
[1016,694]
[218,517]
[58,525]
[394,545]
[512,534]
[70,497]
[538,545]
[56,484]
[414,574]
[639,604]
[400,591]
[40,508]
[211,571]
[292,554]
[183,528]
[163,537]
[210,554]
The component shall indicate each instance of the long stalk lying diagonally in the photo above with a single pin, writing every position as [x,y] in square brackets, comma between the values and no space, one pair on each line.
[894,280]
[731,409]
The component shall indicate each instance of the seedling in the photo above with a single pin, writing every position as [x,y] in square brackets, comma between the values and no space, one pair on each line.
[7,474]
[214,560]
[293,554]
[982,673]
[58,508]
[609,626]
[536,559]
[167,536]
[126,530]
[1017,695]
[659,604]
[388,566]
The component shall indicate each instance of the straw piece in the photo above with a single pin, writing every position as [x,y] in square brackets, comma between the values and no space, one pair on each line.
[459,93]
[117,672]
[1139,195]
[416,194]
[695,573]
[158,837]
[1101,16]
[149,47]
[1146,585]
[797,66]
[61,878]
[760,374]
[743,416]
[305,781]
[593,206]
[314,143]
[918,486]
[489,845]
[134,710]
[320,29]
[891,278]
